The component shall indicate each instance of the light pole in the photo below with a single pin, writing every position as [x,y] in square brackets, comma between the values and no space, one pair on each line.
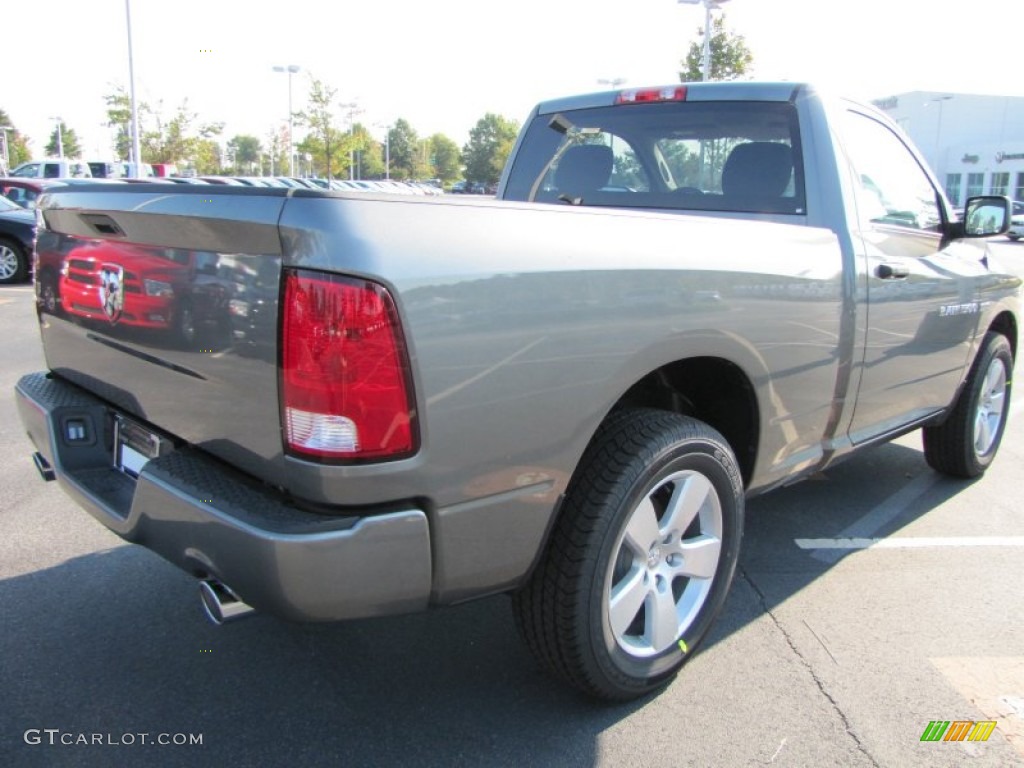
[290,69]
[705,69]
[938,130]
[7,152]
[612,82]
[60,137]
[387,149]
[351,109]
[136,151]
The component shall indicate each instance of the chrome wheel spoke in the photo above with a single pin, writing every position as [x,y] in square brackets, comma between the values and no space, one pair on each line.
[662,619]
[687,499]
[642,530]
[627,599]
[700,557]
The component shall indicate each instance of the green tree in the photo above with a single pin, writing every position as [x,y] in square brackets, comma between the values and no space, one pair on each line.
[276,153]
[446,158]
[63,139]
[490,144]
[245,151]
[405,150]
[17,147]
[119,117]
[205,156]
[730,57]
[181,140]
[369,155]
[319,118]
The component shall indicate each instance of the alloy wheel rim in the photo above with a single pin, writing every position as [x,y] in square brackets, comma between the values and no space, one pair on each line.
[989,414]
[665,562]
[8,262]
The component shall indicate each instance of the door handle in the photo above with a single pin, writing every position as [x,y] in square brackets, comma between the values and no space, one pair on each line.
[892,271]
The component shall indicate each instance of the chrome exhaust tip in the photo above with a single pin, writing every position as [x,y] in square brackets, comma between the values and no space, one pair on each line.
[220,604]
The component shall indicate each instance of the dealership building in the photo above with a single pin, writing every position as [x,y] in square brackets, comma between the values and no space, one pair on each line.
[974,143]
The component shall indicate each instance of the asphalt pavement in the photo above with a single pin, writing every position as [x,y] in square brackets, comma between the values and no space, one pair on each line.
[870,601]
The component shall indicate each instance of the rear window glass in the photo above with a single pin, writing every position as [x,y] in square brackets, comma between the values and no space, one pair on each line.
[719,156]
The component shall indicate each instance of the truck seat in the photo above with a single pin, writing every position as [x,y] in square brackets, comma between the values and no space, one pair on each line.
[757,170]
[583,169]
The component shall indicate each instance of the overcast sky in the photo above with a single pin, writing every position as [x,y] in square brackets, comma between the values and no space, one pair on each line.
[443,64]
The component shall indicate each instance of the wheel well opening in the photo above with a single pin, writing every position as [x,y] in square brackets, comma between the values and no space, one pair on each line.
[1006,325]
[711,390]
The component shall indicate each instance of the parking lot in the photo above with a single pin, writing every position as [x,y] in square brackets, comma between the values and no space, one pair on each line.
[829,652]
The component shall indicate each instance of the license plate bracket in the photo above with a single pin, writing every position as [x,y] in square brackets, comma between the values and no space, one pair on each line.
[135,445]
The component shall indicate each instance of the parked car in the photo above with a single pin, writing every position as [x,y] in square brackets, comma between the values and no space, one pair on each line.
[52,169]
[24,192]
[226,181]
[102,169]
[1016,222]
[17,231]
[145,171]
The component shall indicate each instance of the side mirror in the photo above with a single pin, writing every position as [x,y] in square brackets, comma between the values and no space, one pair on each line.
[986,216]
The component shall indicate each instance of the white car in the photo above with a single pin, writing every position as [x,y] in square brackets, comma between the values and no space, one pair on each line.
[54,168]
[1016,222]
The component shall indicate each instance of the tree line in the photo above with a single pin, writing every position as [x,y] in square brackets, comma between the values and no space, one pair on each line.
[328,143]
[332,143]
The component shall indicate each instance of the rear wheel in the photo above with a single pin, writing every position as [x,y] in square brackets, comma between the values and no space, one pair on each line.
[966,444]
[185,324]
[13,262]
[641,558]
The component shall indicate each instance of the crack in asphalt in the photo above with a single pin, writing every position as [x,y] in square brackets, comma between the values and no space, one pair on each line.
[861,747]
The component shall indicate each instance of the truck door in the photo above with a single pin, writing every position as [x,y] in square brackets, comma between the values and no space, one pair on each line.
[917,298]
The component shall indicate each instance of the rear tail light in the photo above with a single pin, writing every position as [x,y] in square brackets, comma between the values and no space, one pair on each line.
[648,95]
[346,389]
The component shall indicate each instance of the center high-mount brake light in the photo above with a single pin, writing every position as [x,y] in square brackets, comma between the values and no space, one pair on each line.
[649,95]
[346,391]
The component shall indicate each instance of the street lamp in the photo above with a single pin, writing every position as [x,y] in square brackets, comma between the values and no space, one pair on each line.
[351,109]
[612,82]
[136,166]
[291,69]
[705,69]
[387,149]
[7,153]
[60,137]
[938,129]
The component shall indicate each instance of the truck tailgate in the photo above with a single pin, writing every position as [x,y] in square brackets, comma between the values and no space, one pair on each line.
[163,300]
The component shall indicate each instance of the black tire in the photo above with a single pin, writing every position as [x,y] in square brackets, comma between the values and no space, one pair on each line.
[13,262]
[967,442]
[49,292]
[185,325]
[641,468]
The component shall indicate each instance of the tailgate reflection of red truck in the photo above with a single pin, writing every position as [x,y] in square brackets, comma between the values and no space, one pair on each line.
[171,289]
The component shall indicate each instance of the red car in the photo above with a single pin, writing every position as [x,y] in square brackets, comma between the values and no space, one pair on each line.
[165,289]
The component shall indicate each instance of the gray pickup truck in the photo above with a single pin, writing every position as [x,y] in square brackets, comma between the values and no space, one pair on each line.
[328,406]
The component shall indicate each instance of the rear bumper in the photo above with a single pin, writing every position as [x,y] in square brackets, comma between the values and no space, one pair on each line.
[215,523]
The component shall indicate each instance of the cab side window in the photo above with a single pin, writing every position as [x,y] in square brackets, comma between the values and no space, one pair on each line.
[27,172]
[892,188]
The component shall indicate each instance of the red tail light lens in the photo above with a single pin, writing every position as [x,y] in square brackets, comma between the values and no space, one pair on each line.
[648,95]
[345,382]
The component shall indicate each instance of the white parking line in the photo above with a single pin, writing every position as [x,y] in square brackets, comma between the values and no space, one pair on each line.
[880,516]
[911,542]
